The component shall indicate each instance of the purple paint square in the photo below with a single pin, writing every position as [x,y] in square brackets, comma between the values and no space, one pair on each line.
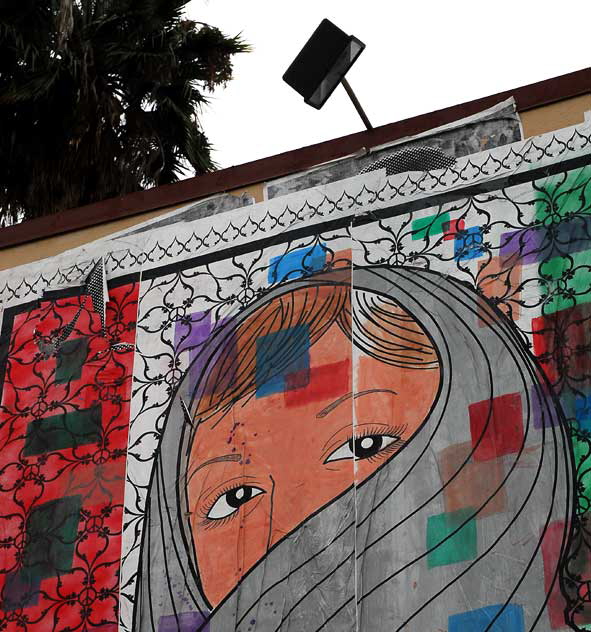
[526,245]
[224,364]
[183,622]
[540,409]
[191,332]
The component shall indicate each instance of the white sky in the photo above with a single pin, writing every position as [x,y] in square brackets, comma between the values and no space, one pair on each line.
[420,56]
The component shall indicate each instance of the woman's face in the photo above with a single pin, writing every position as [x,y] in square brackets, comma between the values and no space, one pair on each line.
[259,470]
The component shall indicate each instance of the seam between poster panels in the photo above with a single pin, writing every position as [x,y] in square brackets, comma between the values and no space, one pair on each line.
[121,626]
[354,431]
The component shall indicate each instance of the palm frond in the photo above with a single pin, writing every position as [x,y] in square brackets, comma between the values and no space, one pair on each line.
[100,98]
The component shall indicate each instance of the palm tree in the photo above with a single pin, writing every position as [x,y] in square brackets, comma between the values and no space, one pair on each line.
[99,98]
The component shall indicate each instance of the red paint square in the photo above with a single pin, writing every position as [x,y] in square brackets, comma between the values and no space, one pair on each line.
[496,426]
[329,380]
[551,543]
[452,227]
[297,379]
[561,343]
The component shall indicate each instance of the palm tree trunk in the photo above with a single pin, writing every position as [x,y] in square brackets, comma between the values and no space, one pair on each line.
[65,22]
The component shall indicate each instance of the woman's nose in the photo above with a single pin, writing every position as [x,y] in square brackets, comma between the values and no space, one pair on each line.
[288,508]
[294,501]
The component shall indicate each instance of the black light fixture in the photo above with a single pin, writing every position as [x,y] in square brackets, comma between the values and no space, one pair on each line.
[323,63]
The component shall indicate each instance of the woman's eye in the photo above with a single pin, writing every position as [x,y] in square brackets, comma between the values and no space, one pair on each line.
[232,500]
[362,447]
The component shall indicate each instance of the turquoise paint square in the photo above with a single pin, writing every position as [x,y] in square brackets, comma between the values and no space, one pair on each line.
[445,548]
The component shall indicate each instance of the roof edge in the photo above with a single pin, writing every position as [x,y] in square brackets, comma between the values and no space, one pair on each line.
[527,97]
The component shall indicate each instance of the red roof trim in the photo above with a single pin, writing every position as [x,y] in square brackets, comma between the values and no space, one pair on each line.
[527,97]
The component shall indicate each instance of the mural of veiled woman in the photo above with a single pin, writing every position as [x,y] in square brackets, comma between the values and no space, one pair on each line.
[367,450]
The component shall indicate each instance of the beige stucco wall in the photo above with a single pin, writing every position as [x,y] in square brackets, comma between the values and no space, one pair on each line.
[42,248]
[537,121]
[556,115]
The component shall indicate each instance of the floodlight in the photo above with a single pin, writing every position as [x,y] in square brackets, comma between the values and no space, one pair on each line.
[323,63]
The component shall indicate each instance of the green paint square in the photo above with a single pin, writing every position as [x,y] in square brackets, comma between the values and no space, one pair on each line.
[567,281]
[582,454]
[65,431]
[70,360]
[52,529]
[460,546]
[50,542]
[425,227]
[561,195]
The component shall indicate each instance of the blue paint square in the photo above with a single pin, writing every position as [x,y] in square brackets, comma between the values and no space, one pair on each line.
[468,244]
[280,355]
[509,620]
[298,263]
[273,385]
[583,411]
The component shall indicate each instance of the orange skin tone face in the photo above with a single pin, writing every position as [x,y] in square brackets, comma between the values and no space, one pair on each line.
[286,462]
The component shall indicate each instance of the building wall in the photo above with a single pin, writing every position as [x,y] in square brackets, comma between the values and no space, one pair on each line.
[555,116]
[361,405]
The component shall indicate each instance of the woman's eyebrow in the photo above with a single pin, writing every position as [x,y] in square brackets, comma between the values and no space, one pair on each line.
[216,459]
[347,396]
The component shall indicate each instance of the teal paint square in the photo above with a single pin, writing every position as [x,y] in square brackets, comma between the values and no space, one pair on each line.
[459,547]
[52,529]
[50,543]
[65,431]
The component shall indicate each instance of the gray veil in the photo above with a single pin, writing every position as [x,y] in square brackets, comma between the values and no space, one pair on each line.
[366,560]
